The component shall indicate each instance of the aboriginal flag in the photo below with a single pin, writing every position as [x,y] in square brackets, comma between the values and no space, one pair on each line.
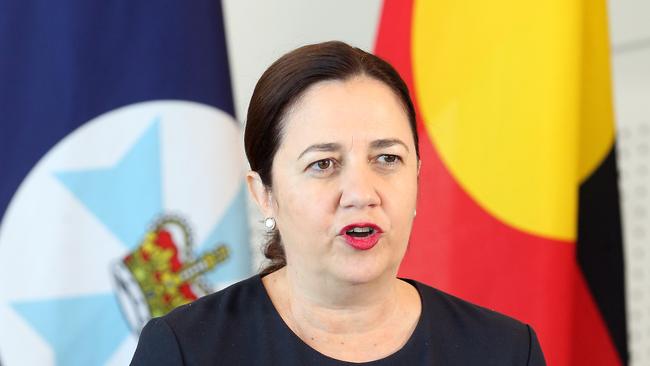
[121,178]
[518,205]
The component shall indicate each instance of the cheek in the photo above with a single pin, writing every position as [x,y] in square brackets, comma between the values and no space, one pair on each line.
[306,208]
[399,201]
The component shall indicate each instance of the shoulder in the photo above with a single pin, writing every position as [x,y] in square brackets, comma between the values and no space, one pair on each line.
[191,330]
[463,312]
[475,331]
[215,311]
[157,346]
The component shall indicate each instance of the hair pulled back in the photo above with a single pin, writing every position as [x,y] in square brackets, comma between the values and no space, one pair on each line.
[280,87]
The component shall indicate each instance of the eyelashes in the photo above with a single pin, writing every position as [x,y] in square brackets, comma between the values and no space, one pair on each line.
[323,166]
[328,166]
[389,159]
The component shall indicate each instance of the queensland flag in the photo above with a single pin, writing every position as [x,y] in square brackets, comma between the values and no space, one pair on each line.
[121,190]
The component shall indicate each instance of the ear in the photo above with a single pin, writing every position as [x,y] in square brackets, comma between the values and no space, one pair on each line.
[260,193]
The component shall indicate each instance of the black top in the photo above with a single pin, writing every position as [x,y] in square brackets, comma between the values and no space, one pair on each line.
[240,326]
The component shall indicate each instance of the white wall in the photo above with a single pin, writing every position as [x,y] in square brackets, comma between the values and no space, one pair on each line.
[630,36]
[258,32]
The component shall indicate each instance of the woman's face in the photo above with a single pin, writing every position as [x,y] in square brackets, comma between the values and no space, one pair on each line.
[345,181]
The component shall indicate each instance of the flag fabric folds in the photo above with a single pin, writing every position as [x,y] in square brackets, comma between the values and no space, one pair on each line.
[121,190]
[518,205]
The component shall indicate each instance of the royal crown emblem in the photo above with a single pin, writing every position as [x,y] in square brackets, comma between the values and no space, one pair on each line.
[162,273]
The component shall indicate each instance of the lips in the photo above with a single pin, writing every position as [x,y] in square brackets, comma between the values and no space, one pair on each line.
[361,235]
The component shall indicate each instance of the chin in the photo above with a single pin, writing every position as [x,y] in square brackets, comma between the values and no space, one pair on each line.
[365,270]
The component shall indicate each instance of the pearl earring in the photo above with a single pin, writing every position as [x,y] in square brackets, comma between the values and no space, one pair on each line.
[269,223]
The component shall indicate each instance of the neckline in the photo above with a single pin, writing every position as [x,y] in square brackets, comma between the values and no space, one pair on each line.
[418,331]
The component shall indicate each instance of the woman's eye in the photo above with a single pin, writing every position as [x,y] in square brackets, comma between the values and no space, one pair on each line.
[388,159]
[322,165]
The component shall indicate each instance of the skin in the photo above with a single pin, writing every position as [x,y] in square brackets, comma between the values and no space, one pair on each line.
[347,156]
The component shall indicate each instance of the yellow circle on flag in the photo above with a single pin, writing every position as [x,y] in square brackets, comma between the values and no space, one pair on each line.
[500,87]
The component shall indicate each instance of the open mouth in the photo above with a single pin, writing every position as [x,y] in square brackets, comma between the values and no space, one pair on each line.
[360,232]
[361,235]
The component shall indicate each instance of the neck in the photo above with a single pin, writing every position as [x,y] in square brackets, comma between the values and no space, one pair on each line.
[321,303]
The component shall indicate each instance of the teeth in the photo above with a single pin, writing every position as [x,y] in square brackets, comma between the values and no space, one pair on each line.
[360,230]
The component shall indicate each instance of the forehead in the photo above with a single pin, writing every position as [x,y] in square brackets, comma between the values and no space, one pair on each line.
[360,108]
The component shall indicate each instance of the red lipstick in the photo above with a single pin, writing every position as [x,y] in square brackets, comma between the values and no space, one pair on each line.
[361,235]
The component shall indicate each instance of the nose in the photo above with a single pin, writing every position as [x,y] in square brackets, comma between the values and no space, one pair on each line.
[359,187]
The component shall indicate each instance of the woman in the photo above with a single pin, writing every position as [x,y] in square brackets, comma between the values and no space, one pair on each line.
[333,147]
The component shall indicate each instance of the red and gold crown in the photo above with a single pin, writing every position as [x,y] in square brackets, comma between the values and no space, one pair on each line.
[161,273]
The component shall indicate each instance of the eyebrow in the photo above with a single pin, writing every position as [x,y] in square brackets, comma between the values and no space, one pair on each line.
[333,146]
[330,146]
[384,143]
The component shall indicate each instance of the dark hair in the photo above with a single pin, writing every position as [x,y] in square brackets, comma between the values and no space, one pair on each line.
[280,87]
